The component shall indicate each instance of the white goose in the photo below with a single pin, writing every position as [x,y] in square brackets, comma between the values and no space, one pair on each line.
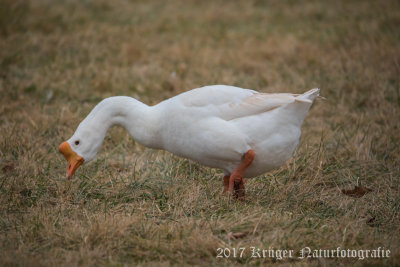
[243,132]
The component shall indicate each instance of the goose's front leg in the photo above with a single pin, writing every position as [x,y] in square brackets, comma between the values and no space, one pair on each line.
[236,180]
[226,183]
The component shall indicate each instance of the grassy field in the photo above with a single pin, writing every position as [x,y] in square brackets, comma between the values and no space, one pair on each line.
[134,205]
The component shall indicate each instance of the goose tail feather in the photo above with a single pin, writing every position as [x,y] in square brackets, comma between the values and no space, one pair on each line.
[308,96]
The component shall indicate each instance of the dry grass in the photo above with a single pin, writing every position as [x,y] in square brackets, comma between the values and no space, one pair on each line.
[133,205]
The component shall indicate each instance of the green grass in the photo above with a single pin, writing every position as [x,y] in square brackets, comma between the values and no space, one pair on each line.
[136,206]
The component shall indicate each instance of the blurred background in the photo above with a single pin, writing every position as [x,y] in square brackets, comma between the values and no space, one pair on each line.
[136,47]
[60,58]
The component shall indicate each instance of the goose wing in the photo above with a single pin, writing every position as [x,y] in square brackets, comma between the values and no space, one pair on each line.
[229,102]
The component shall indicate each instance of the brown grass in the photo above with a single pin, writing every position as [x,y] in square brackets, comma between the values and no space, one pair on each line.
[137,206]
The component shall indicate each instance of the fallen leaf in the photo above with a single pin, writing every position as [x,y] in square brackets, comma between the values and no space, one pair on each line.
[372,222]
[236,235]
[26,192]
[119,167]
[358,191]
[8,167]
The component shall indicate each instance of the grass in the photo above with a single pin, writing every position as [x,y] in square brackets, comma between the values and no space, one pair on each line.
[138,206]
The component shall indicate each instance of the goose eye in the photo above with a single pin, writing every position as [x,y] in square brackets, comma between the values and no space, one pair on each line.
[77,142]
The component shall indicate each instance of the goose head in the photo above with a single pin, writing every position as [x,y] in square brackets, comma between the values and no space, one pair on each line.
[81,148]
[127,112]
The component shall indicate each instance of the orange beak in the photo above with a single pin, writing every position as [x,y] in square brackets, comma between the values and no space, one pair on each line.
[74,161]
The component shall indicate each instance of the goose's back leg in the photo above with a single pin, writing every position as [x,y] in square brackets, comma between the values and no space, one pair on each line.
[236,180]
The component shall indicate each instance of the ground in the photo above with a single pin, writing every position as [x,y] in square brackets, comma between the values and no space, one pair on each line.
[137,206]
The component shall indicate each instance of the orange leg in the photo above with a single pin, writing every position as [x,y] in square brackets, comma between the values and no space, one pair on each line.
[226,183]
[238,189]
[236,181]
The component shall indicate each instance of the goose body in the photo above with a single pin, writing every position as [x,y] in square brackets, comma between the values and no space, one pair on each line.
[218,124]
[212,125]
